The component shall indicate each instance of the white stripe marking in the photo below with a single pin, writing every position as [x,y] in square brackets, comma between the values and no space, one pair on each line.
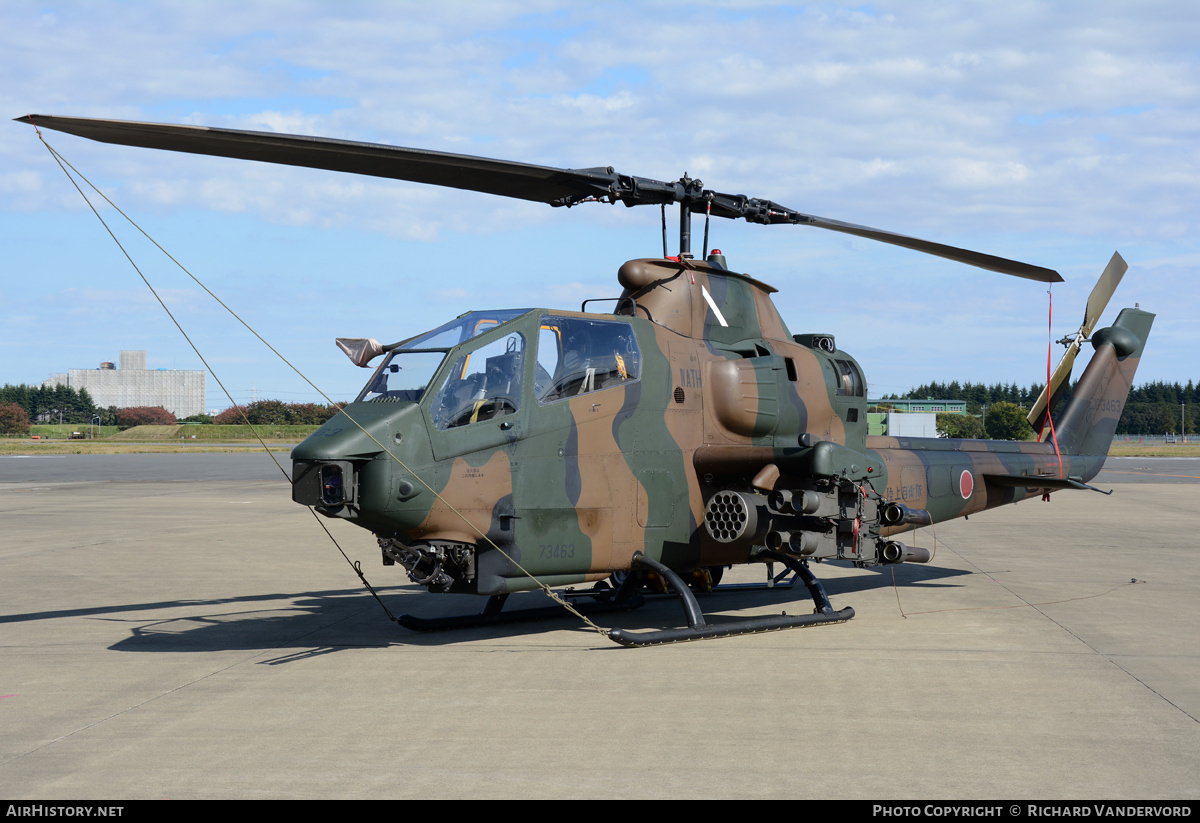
[712,305]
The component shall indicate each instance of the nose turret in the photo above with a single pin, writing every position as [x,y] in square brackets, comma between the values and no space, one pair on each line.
[347,468]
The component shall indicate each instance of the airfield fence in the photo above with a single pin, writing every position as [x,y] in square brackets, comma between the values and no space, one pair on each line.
[1155,439]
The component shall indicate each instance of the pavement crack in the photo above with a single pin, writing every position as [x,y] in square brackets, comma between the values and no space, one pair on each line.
[128,709]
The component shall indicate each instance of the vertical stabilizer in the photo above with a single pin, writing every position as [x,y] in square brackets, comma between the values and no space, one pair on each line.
[1090,419]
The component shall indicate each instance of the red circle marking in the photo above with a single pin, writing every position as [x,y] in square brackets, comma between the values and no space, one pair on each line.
[966,484]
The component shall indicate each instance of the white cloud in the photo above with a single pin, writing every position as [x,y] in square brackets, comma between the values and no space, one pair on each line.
[976,173]
[1039,128]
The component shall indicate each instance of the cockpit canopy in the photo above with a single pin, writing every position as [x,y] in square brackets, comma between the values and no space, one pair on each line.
[574,356]
[409,366]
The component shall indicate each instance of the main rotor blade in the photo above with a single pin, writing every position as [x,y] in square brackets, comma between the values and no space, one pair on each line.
[520,180]
[525,181]
[764,211]
[972,258]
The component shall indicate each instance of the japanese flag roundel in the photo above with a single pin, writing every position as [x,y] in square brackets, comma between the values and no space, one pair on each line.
[966,484]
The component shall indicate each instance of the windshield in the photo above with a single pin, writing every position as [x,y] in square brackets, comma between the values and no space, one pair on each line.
[461,329]
[403,376]
[406,371]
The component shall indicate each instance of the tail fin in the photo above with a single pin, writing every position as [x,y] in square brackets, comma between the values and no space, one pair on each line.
[1090,419]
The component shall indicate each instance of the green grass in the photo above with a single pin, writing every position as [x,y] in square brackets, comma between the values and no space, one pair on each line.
[213,433]
[187,432]
[142,434]
[63,431]
[27,446]
[1155,450]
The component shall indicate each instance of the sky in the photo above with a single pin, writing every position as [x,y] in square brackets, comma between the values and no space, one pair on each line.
[1048,132]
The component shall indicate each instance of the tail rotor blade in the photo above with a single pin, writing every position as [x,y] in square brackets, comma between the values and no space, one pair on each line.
[1058,384]
[1103,292]
[1110,278]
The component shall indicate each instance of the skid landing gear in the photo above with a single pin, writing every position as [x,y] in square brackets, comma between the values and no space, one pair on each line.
[623,599]
[699,630]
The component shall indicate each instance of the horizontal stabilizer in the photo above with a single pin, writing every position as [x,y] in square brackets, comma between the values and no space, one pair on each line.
[1033,481]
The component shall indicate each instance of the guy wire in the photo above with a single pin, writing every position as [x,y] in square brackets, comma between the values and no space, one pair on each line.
[64,164]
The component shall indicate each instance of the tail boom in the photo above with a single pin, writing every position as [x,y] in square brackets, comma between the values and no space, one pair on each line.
[954,478]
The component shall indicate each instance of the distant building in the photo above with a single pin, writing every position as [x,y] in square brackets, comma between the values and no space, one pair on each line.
[927,405]
[902,424]
[179,392]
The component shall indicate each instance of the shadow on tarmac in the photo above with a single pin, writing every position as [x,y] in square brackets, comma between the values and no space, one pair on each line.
[321,622]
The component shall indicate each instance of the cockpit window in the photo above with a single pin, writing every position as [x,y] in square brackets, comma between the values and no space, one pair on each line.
[406,371]
[482,385]
[578,356]
[850,380]
[403,376]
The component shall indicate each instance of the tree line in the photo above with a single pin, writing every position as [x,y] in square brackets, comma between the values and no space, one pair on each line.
[22,405]
[278,413]
[1152,408]
[45,404]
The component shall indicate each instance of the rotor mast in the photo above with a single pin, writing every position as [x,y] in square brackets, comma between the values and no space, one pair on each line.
[686,192]
[685,227]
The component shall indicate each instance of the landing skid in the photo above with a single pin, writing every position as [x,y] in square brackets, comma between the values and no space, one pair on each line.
[625,598]
[698,629]
[493,615]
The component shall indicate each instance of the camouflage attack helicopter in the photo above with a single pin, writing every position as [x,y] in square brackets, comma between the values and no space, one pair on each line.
[686,431]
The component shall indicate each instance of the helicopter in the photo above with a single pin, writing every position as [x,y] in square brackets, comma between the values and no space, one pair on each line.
[652,446]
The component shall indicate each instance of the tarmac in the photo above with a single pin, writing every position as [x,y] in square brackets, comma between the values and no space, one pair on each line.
[176,629]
